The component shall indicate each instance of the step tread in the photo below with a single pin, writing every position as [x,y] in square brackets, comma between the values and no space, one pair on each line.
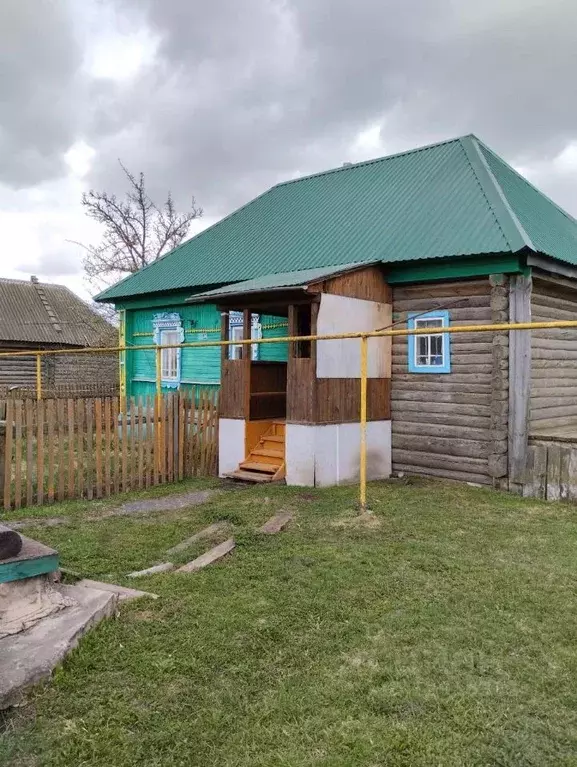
[249,476]
[272,438]
[269,468]
[269,453]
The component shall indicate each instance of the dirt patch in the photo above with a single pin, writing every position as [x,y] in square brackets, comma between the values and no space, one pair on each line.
[366,521]
[143,615]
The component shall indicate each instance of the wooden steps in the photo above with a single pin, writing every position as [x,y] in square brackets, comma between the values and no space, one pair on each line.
[266,461]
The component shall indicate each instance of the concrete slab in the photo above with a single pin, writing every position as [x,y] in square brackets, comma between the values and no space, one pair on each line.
[165,567]
[214,529]
[213,555]
[122,592]
[31,656]
[276,524]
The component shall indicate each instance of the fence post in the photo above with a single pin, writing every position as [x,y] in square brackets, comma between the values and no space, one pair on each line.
[38,377]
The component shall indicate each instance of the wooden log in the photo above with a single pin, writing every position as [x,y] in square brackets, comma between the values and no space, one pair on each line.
[441,445]
[558,411]
[427,304]
[440,407]
[447,290]
[426,428]
[414,417]
[457,398]
[454,463]
[443,473]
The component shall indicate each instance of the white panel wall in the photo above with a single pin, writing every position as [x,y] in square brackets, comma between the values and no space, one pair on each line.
[300,454]
[330,454]
[342,359]
[230,444]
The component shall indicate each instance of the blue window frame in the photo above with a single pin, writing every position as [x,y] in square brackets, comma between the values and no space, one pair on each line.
[429,352]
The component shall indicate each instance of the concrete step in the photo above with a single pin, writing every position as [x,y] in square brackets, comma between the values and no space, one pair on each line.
[30,656]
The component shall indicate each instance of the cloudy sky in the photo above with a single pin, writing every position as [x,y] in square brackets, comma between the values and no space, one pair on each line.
[225,98]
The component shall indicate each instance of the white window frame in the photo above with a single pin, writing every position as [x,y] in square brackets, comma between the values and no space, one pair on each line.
[170,358]
[423,320]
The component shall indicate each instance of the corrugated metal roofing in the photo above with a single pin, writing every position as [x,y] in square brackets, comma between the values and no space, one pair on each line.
[456,198]
[300,278]
[42,313]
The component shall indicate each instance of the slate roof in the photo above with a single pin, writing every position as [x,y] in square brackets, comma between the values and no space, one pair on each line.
[43,313]
[454,198]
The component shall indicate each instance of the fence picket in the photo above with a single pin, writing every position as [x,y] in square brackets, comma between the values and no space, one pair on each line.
[98,445]
[51,449]
[70,446]
[107,417]
[56,449]
[115,446]
[17,454]
[8,455]
[80,447]
[60,415]
[89,448]
[40,452]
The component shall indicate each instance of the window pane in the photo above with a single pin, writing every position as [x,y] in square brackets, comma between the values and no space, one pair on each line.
[436,344]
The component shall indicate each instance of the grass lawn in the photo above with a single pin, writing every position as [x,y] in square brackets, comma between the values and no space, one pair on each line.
[439,631]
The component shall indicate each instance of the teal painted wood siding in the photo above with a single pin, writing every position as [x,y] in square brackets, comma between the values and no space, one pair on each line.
[199,367]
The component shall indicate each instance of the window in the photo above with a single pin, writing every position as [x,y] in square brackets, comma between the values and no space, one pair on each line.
[235,333]
[169,361]
[429,352]
[168,330]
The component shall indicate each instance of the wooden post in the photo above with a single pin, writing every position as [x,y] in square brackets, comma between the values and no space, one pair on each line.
[519,379]
[246,354]
[6,499]
[224,326]
[363,423]
[38,377]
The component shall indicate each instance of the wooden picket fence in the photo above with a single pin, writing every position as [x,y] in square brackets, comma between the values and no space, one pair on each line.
[59,449]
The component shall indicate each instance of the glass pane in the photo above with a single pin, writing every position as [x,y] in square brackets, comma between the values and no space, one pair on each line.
[436,344]
[429,323]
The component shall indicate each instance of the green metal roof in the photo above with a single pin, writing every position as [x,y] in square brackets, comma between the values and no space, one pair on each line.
[281,281]
[455,198]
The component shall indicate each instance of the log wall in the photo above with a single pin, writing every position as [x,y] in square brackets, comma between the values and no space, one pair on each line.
[454,425]
[553,402]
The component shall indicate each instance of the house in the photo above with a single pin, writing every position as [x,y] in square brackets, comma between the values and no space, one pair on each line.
[443,234]
[36,316]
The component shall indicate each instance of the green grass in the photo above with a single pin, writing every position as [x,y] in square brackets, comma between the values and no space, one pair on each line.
[439,631]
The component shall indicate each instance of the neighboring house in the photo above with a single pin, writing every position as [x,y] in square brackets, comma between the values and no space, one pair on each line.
[39,316]
[440,235]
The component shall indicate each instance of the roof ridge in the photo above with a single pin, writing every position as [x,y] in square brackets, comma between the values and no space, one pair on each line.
[497,201]
[49,310]
[372,161]
[526,180]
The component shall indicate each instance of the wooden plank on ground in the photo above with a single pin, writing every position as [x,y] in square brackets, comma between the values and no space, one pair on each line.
[18,439]
[206,532]
[154,570]
[209,557]
[8,454]
[40,452]
[51,447]
[277,523]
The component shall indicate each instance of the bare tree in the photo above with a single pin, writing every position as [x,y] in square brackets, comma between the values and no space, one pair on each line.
[136,230]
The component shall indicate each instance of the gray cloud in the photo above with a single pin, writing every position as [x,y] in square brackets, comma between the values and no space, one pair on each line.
[243,94]
[40,89]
